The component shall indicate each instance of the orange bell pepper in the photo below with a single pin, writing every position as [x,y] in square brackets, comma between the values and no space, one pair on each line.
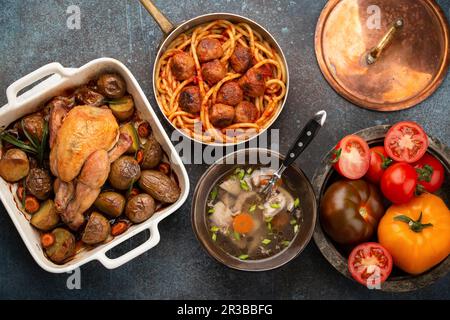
[417,234]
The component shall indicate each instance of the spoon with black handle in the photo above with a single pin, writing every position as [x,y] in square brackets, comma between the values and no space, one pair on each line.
[301,143]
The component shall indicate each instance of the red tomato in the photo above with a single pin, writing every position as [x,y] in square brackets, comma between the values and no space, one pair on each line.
[406,141]
[399,183]
[379,162]
[351,157]
[431,173]
[370,264]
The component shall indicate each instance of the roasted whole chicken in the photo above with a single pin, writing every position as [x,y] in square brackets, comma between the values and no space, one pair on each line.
[86,141]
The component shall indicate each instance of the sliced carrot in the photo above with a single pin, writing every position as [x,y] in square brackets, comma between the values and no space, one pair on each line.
[164,168]
[31,204]
[263,182]
[47,240]
[119,228]
[19,192]
[139,156]
[243,223]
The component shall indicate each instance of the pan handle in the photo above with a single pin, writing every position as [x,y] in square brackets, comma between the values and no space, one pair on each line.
[164,23]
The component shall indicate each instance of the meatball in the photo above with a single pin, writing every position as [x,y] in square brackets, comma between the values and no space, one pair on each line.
[253,83]
[209,49]
[246,112]
[230,93]
[213,72]
[221,115]
[183,66]
[111,85]
[190,99]
[241,59]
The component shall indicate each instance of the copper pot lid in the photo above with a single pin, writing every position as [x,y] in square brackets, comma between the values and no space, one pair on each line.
[383,55]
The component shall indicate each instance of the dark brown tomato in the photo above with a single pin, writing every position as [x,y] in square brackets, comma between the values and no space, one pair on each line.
[221,115]
[111,85]
[241,59]
[253,83]
[350,211]
[230,93]
[213,72]
[183,66]
[190,99]
[86,96]
[209,49]
[246,112]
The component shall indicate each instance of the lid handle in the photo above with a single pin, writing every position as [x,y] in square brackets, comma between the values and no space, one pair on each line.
[375,53]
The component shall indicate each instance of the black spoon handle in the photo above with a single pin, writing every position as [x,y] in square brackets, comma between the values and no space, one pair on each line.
[305,137]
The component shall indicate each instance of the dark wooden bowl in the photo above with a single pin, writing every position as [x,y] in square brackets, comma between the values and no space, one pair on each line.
[398,281]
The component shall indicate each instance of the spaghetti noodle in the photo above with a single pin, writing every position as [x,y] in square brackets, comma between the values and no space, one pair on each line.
[230,35]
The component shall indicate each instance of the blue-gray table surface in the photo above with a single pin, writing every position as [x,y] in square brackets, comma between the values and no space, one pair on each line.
[34,33]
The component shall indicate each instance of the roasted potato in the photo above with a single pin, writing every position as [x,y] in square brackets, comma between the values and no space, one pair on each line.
[159,186]
[87,96]
[97,229]
[14,165]
[34,126]
[46,218]
[110,203]
[64,246]
[152,154]
[140,208]
[39,183]
[111,85]
[123,172]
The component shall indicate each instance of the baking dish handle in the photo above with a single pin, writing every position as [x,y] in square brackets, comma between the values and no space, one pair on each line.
[152,241]
[49,69]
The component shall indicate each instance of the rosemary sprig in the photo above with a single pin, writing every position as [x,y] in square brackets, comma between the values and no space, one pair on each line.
[5,136]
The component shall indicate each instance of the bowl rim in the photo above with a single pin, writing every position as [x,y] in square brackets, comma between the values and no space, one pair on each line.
[202,19]
[253,265]
[320,179]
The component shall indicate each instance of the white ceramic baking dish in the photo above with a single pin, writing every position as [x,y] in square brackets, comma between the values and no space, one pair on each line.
[60,80]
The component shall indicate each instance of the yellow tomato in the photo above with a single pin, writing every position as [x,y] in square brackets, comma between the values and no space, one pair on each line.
[417,234]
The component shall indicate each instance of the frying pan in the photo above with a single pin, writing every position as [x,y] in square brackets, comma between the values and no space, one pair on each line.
[171,32]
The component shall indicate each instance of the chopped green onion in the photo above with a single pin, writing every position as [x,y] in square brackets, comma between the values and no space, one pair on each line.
[244,185]
[285,243]
[214,236]
[211,210]
[237,236]
[241,174]
[269,219]
[214,229]
[266,241]
[293,222]
[275,205]
[252,208]
[237,170]
[296,202]
[243,257]
[213,194]
[269,226]
[261,207]
[296,228]
[249,171]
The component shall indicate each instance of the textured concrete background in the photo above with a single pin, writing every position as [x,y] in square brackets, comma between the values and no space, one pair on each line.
[34,33]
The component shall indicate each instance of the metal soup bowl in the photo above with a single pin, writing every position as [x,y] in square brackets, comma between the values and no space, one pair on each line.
[297,181]
[398,281]
[171,33]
